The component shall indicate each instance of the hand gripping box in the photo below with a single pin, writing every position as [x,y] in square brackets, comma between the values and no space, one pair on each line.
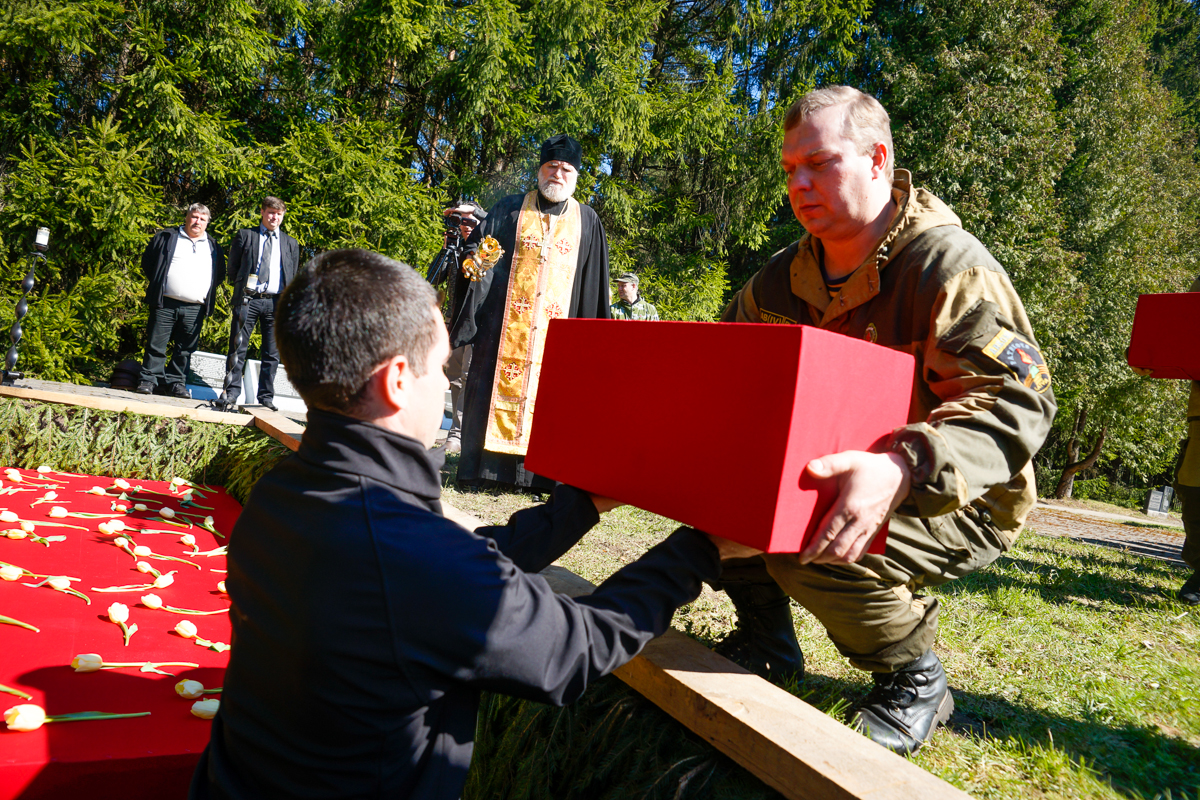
[1166,335]
[712,424]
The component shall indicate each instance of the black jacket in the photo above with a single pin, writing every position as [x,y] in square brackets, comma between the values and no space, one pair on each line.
[156,260]
[366,625]
[243,259]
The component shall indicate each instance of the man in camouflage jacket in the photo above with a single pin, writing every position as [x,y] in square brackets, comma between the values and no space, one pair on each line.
[891,264]
[630,304]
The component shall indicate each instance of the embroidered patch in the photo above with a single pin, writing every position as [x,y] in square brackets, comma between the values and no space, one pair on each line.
[1021,357]
[521,305]
[530,243]
[512,370]
[564,246]
[872,334]
[554,311]
[773,318]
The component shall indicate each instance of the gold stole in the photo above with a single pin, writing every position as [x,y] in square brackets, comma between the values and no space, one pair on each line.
[541,276]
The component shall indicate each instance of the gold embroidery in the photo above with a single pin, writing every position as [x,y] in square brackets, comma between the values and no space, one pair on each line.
[773,318]
[540,280]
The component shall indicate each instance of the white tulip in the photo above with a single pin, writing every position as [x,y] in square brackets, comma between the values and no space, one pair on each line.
[221,587]
[145,567]
[186,628]
[118,612]
[152,601]
[60,582]
[8,516]
[30,717]
[105,528]
[188,539]
[121,541]
[167,513]
[43,469]
[121,484]
[58,512]
[189,690]
[206,709]
[50,496]
[177,481]
[28,526]
[139,506]
[11,573]
[16,534]
[116,525]
[87,662]
[163,581]
[142,550]
[99,490]
[12,475]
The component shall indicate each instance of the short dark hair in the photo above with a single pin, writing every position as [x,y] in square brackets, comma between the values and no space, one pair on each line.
[271,201]
[345,313]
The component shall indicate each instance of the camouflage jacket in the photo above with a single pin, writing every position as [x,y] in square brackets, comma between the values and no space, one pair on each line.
[638,309]
[981,398]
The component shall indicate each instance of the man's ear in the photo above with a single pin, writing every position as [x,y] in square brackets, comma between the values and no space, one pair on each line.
[879,159]
[395,381]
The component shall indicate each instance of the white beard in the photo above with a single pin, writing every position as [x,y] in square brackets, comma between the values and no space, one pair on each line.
[556,193]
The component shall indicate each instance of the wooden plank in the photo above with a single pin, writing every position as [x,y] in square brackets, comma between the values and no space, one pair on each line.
[131,405]
[789,745]
[276,425]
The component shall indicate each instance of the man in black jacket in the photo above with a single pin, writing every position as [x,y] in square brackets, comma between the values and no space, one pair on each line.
[365,623]
[262,261]
[183,269]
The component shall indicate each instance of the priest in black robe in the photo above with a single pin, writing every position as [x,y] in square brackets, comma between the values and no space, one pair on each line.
[555,264]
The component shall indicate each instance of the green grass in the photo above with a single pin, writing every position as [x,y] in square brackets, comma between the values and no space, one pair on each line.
[1076,672]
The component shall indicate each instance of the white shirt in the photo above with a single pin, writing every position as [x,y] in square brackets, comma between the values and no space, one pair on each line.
[273,286]
[189,277]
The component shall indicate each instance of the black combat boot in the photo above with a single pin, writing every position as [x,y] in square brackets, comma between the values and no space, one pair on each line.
[1190,591]
[764,640]
[905,706]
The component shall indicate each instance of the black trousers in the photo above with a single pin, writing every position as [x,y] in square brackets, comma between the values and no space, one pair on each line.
[177,320]
[259,309]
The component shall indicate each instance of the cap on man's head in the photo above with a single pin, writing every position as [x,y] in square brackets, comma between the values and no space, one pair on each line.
[562,148]
[628,277]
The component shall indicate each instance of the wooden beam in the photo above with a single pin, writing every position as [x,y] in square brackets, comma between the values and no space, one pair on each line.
[276,425]
[129,405]
[789,745]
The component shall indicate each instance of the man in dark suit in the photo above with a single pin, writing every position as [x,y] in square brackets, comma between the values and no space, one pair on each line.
[183,269]
[262,261]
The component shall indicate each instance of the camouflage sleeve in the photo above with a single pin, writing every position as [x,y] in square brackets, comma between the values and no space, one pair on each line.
[992,402]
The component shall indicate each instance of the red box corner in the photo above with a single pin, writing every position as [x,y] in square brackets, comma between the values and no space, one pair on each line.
[1165,336]
[712,424]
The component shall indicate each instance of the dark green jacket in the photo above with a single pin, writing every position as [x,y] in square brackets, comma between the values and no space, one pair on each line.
[981,400]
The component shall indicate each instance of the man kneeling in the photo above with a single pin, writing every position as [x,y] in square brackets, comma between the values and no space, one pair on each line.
[365,624]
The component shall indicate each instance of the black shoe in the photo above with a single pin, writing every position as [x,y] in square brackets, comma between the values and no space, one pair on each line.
[1189,593]
[267,404]
[764,640]
[905,706]
[145,387]
[178,390]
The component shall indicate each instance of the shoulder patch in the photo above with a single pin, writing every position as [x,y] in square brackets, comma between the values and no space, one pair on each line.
[773,318]
[1021,357]
[872,333]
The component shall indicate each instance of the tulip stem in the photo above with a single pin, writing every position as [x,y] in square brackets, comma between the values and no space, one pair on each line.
[11,621]
[140,664]
[18,692]
[80,716]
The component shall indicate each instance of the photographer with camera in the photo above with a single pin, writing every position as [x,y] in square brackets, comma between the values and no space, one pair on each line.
[461,221]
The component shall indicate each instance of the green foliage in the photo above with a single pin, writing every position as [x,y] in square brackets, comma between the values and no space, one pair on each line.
[77,439]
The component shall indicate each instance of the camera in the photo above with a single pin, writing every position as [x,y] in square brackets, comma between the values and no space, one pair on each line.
[449,259]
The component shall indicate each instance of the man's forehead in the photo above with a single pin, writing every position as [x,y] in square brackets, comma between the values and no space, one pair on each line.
[557,164]
[199,214]
[823,131]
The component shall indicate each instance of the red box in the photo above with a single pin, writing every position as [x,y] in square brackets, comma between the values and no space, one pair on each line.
[712,424]
[1166,335]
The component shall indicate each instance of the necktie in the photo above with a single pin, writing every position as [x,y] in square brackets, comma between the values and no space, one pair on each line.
[264,264]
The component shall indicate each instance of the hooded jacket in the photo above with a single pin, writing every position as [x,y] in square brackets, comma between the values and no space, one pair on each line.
[981,398]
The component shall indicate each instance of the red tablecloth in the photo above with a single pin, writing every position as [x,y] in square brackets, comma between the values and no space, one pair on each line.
[150,756]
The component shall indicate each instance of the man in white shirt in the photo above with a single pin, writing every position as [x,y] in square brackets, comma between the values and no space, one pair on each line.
[183,268]
[262,260]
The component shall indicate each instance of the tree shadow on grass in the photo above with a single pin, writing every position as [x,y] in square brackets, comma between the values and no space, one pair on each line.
[1139,762]
[1079,576]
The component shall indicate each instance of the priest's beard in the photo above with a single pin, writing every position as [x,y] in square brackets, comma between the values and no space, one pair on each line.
[557,192]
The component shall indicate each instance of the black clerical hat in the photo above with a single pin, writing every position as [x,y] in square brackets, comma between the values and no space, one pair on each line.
[562,148]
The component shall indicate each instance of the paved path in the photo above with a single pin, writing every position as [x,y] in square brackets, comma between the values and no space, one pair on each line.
[1109,530]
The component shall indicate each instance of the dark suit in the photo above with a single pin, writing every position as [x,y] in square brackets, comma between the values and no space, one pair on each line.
[366,624]
[169,318]
[244,255]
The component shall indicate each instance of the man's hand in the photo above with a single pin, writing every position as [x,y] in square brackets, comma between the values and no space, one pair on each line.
[604,504]
[870,486]
[730,549]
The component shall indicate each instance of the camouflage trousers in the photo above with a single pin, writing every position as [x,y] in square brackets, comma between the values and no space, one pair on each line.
[872,610]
